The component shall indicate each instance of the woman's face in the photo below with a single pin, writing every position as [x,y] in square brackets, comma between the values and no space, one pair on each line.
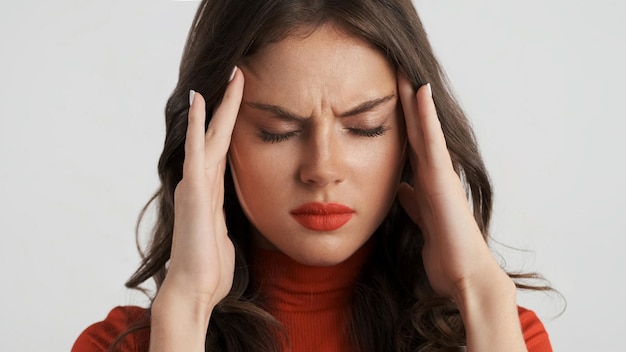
[317,149]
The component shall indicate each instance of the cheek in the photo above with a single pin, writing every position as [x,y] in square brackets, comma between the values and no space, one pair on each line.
[381,161]
[239,156]
[384,173]
[389,172]
[258,171]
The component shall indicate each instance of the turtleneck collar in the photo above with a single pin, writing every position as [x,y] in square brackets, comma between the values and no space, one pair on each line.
[288,286]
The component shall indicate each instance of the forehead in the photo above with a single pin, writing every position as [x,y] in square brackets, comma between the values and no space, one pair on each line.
[326,63]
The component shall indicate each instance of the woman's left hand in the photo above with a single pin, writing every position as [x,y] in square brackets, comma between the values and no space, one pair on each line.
[456,257]
[457,260]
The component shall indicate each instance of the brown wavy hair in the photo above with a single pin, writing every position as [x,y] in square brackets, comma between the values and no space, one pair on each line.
[394,308]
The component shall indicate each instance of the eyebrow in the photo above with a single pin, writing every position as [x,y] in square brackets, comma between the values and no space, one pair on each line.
[287,115]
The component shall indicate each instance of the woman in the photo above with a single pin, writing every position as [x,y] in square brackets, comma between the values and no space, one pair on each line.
[322,204]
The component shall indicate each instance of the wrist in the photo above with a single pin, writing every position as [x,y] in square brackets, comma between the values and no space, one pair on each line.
[178,323]
[488,308]
[494,288]
[194,308]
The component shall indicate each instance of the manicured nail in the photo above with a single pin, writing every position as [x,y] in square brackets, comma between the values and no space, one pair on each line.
[430,90]
[192,95]
[232,74]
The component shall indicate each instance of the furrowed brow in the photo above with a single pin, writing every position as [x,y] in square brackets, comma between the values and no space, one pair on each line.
[289,116]
[367,106]
[279,112]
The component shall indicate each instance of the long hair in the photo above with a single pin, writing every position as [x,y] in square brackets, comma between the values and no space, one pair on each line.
[394,308]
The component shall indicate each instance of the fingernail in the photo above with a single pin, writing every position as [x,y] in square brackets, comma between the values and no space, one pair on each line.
[192,95]
[430,90]
[232,74]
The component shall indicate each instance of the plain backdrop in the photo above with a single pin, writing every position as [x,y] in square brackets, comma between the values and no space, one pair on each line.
[83,85]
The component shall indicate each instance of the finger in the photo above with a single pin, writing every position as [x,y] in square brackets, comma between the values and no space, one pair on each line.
[411,117]
[436,151]
[194,141]
[221,127]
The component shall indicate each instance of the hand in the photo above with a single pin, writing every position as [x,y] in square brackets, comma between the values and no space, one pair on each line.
[203,257]
[456,257]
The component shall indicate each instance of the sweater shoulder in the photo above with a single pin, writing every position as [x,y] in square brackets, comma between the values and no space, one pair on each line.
[128,326]
[535,334]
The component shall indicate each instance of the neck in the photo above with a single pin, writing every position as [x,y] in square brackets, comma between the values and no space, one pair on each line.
[287,285]
[311,302]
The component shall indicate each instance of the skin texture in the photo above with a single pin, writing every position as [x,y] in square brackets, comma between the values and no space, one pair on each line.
[456,258]
[203,257]
[320,76]
[325,156]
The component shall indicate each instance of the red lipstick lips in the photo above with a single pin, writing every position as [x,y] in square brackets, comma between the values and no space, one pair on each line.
[322,216]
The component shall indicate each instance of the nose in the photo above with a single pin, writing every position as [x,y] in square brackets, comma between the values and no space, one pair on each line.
[322,161]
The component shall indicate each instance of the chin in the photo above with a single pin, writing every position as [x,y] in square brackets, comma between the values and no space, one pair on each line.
[322,253]
[319,249]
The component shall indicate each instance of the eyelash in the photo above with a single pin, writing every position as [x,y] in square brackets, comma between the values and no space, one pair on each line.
[269,137]
[372,132]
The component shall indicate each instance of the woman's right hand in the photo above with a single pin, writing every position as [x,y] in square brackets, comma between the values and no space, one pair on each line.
[202,260]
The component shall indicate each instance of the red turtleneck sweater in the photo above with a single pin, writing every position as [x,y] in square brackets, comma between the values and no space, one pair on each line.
[310,302]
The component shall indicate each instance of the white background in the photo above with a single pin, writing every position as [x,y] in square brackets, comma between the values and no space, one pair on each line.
[83,85]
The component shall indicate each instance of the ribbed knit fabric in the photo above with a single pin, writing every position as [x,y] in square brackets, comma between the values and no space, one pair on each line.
[311,302]
[535,334]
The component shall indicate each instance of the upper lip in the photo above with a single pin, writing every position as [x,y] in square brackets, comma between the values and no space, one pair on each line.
[317,208]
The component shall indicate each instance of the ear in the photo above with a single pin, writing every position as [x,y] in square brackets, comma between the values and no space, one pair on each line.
[407,197]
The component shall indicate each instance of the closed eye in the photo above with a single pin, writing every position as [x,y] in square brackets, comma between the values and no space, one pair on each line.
[269,137]
[369,132]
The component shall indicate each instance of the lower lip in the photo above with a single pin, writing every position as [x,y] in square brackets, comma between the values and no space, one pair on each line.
[319,217]
[328,222]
